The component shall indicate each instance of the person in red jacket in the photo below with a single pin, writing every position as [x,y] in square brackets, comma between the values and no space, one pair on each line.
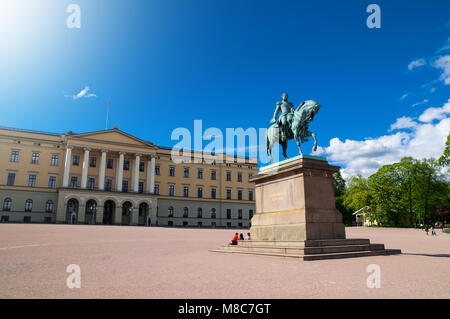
[235,239]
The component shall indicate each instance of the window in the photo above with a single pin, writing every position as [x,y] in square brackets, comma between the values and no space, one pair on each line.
[171,170]
[229,176]
[250,195]
[74,182]
[228,193]
[110,163]
[126,165]
[186,191]
[32,180]
[200,224]
[29,205]
[14,156]
[213,175]
[250,213]
[185,172]
[52,181]
[54,160]
[125,186]
[200,192]
[199,213]
[229,225]
[108,184]
[213,213]
[157,170]
[11,179]
[228,213]
[156,190]
[91,183]
[185,223]
[200,173]
[141,187]
[170,212]
[76,160]
[92,161]
[185,212]
[239,177]
[49,207]
[141,166]
[171,190]
[35,158]
[213,193]
[239,194]
[249,176]
[7,204]
[240,213]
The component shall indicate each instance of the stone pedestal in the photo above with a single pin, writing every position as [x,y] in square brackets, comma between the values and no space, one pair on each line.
[295,201]
[296,216]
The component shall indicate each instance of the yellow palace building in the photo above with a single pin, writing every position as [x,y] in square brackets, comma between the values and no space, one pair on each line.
[111,177]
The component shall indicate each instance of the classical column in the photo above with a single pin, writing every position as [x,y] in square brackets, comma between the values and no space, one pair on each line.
[120,172]
[136,173]
[151,175]
[67,167]
[101,174]
[84,172]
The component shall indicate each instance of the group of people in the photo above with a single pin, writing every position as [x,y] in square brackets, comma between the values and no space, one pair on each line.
[237,236]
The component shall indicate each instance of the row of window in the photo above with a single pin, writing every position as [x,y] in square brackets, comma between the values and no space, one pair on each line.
[109,163]
[35,156]
[170,213]
[213,173]
[7,204]
[126,165]
[213,193]
[91,184]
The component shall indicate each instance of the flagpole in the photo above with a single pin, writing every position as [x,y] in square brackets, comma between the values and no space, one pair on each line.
[107,112]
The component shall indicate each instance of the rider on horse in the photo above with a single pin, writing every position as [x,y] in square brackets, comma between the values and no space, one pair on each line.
[287,113]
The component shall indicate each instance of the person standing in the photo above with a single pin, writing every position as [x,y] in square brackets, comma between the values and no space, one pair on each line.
[247,237]
[73,217]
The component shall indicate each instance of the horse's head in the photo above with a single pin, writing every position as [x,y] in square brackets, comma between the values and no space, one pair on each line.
[307,110]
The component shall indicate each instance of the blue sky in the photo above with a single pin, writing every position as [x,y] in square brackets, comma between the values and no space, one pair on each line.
[166,63]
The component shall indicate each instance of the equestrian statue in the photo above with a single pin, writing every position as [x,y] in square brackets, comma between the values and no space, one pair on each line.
[292,124]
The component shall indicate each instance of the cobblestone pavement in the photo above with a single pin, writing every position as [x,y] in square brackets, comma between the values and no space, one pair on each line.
[157,262]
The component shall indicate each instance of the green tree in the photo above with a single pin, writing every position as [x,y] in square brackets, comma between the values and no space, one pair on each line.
[339,184]
[357,194]
[388,187]
[444,160]
[432,189]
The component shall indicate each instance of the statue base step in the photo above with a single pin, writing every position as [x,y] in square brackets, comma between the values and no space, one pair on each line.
[309,249]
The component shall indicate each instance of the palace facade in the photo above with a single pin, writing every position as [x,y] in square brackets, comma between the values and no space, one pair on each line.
[113,178]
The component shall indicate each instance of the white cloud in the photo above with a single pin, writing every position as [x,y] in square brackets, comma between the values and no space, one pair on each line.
[446,46]
[423,140]
[443,63]
[416,63]
[403,122]
[83,93]
[435,113]
[420,103]
[404,96]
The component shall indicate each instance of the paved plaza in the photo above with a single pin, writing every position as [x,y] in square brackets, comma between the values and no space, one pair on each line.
[157,262]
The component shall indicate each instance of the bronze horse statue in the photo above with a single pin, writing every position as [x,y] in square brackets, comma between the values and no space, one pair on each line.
[298,128]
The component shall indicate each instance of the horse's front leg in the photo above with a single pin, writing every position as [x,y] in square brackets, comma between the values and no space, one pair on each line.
[315,141]
[298,144]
